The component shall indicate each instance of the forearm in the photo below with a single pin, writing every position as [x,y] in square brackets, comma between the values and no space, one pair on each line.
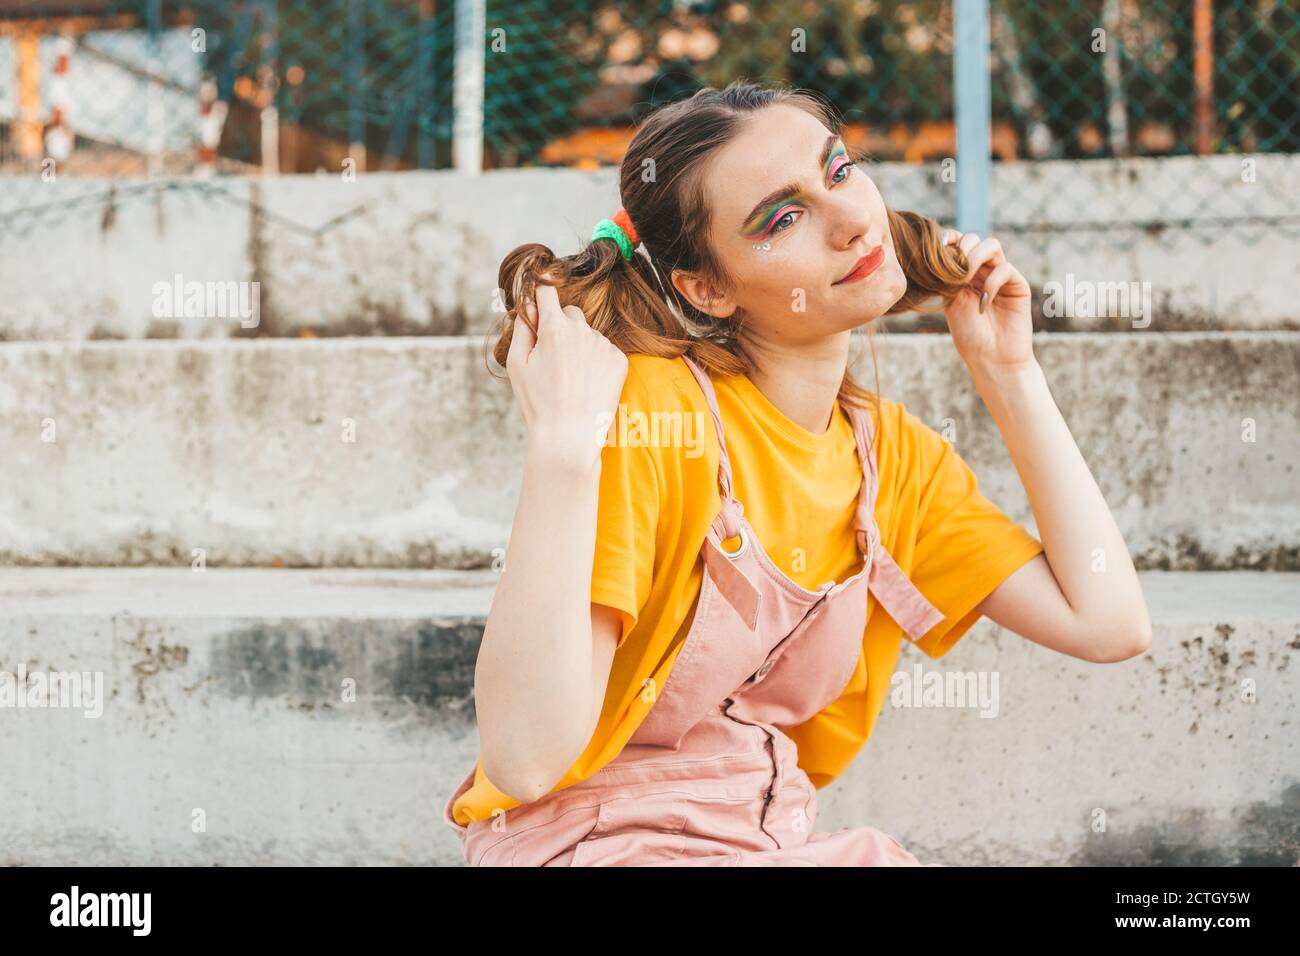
[1083,545]
[532,682]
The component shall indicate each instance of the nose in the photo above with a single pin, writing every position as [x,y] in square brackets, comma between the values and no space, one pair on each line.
[850,221]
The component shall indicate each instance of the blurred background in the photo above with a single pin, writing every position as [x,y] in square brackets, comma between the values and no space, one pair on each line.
[118,87]
[1083,95]
[258,474]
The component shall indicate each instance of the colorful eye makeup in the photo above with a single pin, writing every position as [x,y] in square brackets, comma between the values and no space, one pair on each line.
[838,159]
[763,223]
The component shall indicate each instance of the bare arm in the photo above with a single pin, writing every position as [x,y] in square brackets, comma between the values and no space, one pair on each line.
[1082,597]
[537,686]
[546,651]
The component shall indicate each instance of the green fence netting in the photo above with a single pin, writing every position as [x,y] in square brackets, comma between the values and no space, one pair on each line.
[130,88]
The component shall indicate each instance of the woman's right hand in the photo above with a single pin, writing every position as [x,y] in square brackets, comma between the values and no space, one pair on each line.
[567,379]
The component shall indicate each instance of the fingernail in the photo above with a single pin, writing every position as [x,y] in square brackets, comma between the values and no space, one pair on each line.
[984,298]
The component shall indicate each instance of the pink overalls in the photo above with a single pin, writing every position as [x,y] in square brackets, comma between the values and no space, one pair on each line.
[708,778]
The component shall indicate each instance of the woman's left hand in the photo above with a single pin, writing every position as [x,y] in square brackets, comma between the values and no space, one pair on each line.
[997,332]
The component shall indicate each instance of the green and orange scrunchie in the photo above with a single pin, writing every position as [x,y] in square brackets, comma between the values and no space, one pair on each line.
[620,229]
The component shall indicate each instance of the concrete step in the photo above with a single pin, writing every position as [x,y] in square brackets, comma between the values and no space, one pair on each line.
[240,453]
[417,253]
[224,698]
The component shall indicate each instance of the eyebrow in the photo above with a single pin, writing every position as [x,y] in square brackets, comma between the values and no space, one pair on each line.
[790,189]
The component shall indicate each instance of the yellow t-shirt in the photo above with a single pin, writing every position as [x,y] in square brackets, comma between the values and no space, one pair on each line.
[659,494]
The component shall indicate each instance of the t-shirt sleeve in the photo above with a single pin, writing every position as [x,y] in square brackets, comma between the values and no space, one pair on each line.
[626,522]
[966,546]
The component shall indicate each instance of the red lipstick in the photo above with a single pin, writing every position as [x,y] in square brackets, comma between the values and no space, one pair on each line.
[864,266]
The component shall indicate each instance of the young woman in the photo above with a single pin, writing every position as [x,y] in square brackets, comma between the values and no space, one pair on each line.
[721,538]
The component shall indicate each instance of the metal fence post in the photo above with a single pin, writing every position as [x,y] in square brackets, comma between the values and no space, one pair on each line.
[972,104]
[467,137]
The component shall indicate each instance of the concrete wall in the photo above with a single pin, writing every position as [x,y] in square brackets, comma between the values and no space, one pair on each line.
[137,453]
[225,735]
[418,253]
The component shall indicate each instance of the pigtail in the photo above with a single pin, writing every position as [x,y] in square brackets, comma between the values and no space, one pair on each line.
[932,267]
[620,298]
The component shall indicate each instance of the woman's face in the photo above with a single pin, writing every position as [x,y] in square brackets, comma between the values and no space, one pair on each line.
[789,251]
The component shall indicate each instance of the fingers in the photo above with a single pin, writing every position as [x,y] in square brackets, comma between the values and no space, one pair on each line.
[522,338]
[987,267]
[983,253]
[979,252]
[548,307]
[549,318]
[965,241]
[996,279]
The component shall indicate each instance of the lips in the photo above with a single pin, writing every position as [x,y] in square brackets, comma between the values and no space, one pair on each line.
[864,266]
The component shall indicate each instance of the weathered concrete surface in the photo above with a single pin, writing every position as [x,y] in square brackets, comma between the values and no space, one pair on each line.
[417,253]
[239,450]
[224,702]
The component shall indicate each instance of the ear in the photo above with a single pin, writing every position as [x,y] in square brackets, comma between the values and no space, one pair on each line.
[703,295]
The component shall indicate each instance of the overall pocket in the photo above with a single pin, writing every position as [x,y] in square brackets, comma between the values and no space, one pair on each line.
[633,831]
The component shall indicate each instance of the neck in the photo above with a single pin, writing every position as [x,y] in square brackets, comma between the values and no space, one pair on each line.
[802,380]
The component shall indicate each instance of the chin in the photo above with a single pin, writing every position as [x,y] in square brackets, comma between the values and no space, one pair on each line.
[882,298]
[882,291]
[870,312]
[893,283]
[885,297]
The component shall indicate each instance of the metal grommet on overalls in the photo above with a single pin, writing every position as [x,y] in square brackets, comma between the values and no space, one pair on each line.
[744,544]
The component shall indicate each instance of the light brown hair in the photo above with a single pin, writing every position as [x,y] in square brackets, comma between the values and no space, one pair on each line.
[626,301]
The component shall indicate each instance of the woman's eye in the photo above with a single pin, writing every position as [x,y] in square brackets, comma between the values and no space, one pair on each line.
[776,224]
[846,168]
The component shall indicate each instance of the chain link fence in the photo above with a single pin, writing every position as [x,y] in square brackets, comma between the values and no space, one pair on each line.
[146,88]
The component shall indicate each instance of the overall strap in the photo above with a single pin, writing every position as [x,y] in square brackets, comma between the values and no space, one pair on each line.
[902,599]
[739,588]
[729,517]
[864,433]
